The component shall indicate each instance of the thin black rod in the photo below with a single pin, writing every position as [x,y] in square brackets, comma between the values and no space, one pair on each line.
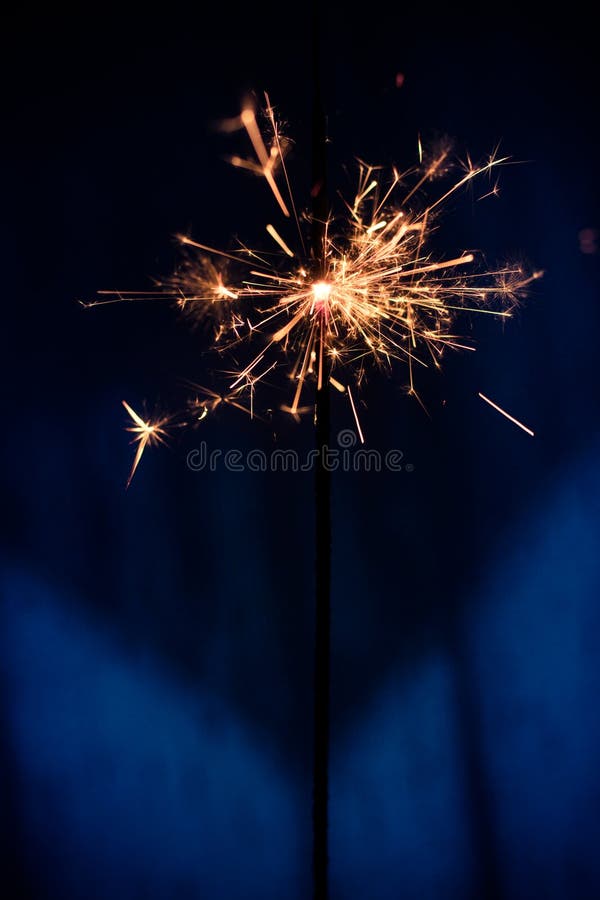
[322,671]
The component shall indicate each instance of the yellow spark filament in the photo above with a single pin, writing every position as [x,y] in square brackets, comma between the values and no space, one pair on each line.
[279,240]
[266,160]
[507,415]
[359,429]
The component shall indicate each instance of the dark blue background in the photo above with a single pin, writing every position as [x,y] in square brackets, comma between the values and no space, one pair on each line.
[157,644]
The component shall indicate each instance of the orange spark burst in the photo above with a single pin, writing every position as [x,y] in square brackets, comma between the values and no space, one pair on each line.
[147,434]
[381,296]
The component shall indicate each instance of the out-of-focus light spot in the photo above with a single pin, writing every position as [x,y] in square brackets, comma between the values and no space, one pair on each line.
[399,79]
[316,188]
[588,240]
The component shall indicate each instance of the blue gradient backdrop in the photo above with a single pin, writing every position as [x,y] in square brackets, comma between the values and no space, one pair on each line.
[156,645]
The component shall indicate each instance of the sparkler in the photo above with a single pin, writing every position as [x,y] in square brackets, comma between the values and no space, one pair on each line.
[370,293]
[374,295]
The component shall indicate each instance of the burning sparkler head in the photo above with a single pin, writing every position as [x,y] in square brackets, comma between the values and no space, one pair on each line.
[321,291]
[321,296]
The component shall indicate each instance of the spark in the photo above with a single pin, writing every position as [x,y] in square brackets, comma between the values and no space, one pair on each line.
[266,159]
[147,434]
[360,434]
[507,415]
[279,240]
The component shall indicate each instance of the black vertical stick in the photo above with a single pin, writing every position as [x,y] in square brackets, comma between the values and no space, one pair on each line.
[322,498]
